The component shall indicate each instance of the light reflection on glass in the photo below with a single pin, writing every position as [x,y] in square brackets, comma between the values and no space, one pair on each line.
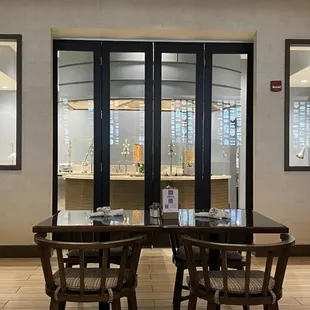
[186,217]
[76,218]
[136,216]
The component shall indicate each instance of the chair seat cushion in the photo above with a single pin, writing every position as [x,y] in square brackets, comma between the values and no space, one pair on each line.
[231,255]
[114,252]
[234,255]
[236,281]
[92,278]
[196,251]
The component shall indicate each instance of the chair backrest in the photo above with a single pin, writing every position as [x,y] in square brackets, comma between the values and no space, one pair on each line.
[280,250]
[130,245]
[176,243]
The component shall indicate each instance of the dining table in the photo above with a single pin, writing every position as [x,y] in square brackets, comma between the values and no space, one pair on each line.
[241,221]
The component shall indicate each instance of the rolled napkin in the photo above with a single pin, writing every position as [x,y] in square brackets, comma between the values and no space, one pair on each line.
[103,209]
[106,212]
[116,212]
[214,213]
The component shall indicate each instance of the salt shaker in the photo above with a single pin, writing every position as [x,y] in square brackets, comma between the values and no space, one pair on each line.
[155,209]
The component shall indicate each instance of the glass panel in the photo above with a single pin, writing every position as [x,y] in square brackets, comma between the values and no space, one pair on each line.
[299,106]
[127,86]
[8,103]
[228,149]
[75,130]
[178,125]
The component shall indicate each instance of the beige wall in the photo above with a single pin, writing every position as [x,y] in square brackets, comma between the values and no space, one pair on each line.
[26,195]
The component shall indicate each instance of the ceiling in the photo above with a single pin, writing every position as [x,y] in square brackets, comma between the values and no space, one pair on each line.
[300,66]
[11,44]
[301,78]
[300,48]
[6,82]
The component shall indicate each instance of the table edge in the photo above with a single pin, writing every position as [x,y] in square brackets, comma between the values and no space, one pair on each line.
[177,229]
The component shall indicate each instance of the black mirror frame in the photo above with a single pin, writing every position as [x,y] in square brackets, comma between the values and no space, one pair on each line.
[18,39]
[288,44]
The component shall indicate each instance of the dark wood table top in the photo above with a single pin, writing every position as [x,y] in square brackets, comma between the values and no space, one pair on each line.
[246,221]
[140,221]
[80,221]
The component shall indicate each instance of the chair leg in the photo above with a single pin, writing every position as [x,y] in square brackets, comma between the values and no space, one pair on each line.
[62,305]
[178,288]
[274,306]
[54,305]
[246,307]
[211,306]
[132,301]
[192,303]
[116,304]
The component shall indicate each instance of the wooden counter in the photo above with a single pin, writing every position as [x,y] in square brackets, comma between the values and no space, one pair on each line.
[115,177]
[127,192]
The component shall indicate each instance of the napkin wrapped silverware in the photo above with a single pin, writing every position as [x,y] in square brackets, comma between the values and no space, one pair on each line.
[106,211]
[214,213]
[214,222]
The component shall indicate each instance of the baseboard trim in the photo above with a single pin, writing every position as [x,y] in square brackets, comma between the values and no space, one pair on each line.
[297,250]
[19,251]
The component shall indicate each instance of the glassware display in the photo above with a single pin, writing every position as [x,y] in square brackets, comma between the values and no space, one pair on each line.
[171,153]
[125,152]
[189,157]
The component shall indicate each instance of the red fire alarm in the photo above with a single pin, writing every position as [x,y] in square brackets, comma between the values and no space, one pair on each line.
[276,86]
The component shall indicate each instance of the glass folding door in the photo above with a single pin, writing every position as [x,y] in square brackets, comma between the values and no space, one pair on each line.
[178,121]
[127,125]
[131,118]
[74,113]
[228,108]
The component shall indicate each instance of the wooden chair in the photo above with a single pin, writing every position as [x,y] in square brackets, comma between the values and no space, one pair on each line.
[101,284]
[235,260]
[92,256]
[237,287]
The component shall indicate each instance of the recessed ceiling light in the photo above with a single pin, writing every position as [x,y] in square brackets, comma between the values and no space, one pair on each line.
[4,87]
[304,81]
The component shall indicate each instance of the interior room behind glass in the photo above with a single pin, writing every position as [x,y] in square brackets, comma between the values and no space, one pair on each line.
[127,128]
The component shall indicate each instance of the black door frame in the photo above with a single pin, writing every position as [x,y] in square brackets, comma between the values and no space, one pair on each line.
[204,54]
[180,48]
[147,49]
[78,46]
[228,48]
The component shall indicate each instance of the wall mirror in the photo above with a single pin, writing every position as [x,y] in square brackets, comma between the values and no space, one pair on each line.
[10,102]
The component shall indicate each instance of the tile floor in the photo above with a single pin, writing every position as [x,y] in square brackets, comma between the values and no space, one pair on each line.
[22,284]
